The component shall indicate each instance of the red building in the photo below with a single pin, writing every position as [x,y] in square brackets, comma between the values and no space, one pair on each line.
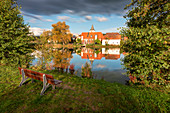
[109,38]
[90,37]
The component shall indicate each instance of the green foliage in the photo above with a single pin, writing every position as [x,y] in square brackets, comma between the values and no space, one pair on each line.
[78,41]
[97,41]
[86,71]
[43,51]
[148,44]
[15,39]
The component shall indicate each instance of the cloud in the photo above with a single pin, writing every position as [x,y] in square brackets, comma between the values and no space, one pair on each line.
[32,20]
[69,19]
[88,17]
[64,18]
[68,11]
[37,31]
[36,17]
[100,66]
[81,7]
[101,19]
[49,20]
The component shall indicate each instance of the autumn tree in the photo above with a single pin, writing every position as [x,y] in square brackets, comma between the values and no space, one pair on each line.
[148,48]
[62,58]
[61,33]
[15,39]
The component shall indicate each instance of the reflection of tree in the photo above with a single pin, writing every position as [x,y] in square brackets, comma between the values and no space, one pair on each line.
[43,51]
[61,59]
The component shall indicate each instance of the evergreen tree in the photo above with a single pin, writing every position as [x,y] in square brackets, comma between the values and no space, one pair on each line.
[15,39]
[148,48]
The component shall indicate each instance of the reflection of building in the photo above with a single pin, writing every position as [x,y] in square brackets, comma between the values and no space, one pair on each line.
[87,53]
[91,54]
[109,38]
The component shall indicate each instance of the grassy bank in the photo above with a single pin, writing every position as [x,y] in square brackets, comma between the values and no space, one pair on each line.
[76,95]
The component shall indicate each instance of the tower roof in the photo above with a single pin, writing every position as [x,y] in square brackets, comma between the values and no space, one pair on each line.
[92,28]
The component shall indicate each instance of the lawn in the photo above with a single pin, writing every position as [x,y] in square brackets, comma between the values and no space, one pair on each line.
[76,94]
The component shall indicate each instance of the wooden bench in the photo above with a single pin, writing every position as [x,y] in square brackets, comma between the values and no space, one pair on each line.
[45,78]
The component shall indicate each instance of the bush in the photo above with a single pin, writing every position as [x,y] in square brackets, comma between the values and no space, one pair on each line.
[147,61]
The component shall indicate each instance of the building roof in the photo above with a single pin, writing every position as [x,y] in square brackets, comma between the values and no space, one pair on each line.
[92,28]
[89,34]
[112,36]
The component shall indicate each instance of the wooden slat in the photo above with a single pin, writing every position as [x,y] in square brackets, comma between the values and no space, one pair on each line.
[19,70]
[38,75]
[50,81]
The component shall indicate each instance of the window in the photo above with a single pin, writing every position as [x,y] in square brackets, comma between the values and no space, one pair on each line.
[96,37]
[91,36]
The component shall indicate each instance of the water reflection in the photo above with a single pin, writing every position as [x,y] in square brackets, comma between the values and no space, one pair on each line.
[105,62]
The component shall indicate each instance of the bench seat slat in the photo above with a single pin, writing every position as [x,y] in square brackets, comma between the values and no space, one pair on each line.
[50,81]
[36,73]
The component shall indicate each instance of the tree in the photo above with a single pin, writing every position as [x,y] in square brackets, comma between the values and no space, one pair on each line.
[43,50]
[86,71]
[15,39]
[60,33]
[148,45]
[97,41]
[78,41]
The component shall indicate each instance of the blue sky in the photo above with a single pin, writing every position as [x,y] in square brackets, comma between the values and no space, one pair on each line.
[105,15]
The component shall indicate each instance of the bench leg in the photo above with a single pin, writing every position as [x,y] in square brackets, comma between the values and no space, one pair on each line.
[23,78]
[32,80]
[45,85]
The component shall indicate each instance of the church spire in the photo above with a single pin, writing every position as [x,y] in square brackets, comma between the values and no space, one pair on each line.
[92,29]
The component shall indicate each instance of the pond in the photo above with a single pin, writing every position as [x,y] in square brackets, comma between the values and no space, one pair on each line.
[105,62]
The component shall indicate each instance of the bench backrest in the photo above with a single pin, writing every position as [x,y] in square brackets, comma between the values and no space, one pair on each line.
[37,75]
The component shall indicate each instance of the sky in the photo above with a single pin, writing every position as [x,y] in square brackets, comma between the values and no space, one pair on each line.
[105,15]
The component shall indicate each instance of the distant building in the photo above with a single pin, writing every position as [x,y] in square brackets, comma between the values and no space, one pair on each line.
[90,37]
[108,38]
[111,39]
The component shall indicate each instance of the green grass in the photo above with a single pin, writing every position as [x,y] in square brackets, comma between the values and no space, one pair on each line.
[76,94]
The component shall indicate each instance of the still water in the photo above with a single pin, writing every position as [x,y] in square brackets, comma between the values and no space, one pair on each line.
[105,62]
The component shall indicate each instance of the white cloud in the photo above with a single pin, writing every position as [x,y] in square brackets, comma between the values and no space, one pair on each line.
[88,17]
[101,19]
[37,31]
[68,11]
[49,20]
[63,18]
[69,19]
